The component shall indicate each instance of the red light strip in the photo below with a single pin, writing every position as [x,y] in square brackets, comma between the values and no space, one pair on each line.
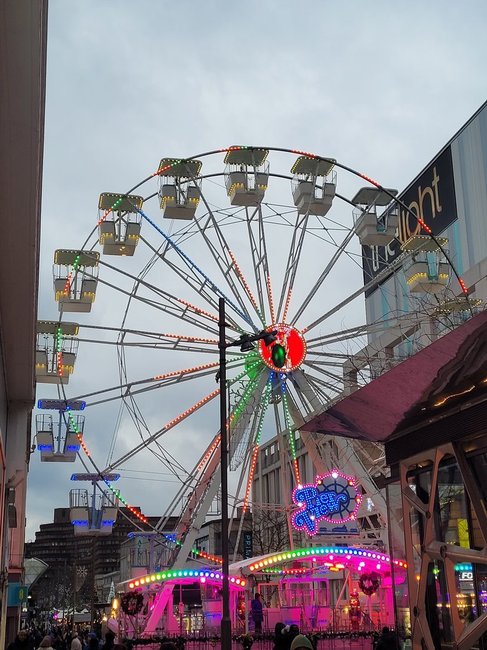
[186,371]
[190,339]
[191,410]
[271,300]
[286,306]
[244,282]
[209,452]
[253,464]
[197,309]
[296,471]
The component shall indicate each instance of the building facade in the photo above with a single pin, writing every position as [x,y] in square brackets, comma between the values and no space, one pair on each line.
[23,34]
[77,564]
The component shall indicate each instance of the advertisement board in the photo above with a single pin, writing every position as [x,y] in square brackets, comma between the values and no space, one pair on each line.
[432,198]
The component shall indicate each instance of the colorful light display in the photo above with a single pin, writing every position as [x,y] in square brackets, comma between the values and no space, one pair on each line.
[329,554]
[333,497]
[184,575]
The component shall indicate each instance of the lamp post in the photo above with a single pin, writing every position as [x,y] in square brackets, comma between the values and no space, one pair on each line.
[245,343]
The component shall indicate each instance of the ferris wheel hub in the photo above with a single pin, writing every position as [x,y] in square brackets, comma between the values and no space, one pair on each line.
[287,352]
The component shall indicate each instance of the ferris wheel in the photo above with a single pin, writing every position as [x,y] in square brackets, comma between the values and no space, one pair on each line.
[267,231]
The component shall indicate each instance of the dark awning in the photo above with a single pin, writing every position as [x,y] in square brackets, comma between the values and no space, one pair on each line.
[455,363]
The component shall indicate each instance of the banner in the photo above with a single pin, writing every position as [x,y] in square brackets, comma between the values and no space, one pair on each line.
[432,198]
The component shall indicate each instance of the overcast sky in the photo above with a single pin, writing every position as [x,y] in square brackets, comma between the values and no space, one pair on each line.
[380,86]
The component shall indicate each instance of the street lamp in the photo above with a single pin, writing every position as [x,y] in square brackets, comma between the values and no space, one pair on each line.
[245,343]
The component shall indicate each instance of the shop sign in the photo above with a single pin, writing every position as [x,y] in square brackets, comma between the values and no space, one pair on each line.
[333,497]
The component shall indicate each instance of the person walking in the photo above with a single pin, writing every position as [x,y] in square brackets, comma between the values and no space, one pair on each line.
[257,612]
[387,640]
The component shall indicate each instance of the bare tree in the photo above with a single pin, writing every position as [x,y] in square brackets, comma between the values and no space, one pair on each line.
[269,532]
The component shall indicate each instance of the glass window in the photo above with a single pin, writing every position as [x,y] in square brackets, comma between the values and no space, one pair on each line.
[452,522]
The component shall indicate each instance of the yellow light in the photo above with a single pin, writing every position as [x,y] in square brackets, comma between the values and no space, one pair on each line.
[115,604]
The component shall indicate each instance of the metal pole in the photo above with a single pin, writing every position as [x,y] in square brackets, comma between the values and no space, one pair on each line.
[226,624]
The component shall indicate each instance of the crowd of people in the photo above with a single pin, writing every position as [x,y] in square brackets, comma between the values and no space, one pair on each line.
[62,638]
[287,637]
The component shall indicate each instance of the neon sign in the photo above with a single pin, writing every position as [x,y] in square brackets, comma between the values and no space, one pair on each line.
[333,497]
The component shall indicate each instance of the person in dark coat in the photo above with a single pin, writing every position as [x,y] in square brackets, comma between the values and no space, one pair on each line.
[21,642]
[387,640]
[256,609]
[279,640]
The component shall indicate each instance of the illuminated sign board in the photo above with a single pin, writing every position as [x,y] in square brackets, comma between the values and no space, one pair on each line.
[333,497]
[431,197]
[466,576]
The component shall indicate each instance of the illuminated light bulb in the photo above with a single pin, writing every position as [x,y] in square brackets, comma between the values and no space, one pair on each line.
[131,585]
[334,474]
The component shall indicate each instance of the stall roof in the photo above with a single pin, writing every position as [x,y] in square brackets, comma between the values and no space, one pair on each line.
[453,365]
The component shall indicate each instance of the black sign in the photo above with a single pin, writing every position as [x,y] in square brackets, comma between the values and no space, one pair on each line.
[432,198]
[248,545]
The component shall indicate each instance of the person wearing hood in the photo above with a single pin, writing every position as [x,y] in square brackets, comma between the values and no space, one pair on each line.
[46,642]
[301,642]
[75,642]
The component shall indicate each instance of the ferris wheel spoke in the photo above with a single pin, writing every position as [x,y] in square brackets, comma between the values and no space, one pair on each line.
[353,332]
[189,484]
[336,256]
[323,371]
[291,268]
[197,274]
[167,427]
[170,304]
[290,432]
[337,387]
[226,261]
[319,387]
[260,260]
[163,455]
[168,379]
[362,290]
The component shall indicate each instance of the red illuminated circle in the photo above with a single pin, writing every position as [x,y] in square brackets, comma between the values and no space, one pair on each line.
[293,343]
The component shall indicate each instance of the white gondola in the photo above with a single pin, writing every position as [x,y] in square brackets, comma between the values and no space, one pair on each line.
[313,185]
[246,176]
[92,514]
[75,279]
[179,188]
[427,271]
[119,222]
[58,442]
[56,349]
[371,227]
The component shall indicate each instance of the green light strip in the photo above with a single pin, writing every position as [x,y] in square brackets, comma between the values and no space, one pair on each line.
[289,424]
